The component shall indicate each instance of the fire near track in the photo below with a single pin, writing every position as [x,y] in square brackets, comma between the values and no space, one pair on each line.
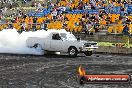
[59,71]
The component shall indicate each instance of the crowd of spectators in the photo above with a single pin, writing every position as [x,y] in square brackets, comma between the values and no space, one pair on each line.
[58,11]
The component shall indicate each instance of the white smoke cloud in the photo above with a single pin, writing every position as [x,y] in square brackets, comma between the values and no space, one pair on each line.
[13,42]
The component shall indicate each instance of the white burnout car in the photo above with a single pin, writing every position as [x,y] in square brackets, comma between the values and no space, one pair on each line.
[62,41]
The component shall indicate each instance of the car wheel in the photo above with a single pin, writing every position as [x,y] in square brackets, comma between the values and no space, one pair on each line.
[72,51]
[88,53]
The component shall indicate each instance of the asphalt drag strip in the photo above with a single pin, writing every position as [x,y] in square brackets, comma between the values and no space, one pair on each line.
[60,71]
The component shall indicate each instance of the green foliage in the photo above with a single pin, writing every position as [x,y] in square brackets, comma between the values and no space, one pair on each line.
[114,44]
[105,44]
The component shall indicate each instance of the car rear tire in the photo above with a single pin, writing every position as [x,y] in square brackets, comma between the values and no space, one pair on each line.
[88,53]
[72,51]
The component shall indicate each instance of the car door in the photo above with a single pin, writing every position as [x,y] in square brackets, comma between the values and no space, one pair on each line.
[56,43]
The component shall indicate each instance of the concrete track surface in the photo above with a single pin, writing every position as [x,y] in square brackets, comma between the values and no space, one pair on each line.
[59,71]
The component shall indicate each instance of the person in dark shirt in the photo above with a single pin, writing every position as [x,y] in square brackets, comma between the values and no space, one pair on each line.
[34,23]
[128,20]
[34,19]
[125,30]
[24,16]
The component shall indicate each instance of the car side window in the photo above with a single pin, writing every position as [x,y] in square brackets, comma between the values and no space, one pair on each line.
[56,37]
[53,37]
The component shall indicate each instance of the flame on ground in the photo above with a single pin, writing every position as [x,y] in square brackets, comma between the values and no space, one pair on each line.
[81,71]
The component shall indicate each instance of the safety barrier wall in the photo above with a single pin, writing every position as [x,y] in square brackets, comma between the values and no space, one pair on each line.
[105,38]
[114,50]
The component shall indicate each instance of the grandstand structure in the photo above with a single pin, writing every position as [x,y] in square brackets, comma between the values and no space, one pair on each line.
[76,16]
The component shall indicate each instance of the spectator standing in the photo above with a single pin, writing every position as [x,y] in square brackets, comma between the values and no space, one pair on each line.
[60,17]
[30,23]
[34,23]
[65,25]
[39,6]
[125,30]
[33,4]
[0,18]
[54,14]
[43,25]
[24,26]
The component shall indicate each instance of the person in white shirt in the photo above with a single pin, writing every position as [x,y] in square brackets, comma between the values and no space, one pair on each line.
[24,26]
[39,6]
[54,14]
